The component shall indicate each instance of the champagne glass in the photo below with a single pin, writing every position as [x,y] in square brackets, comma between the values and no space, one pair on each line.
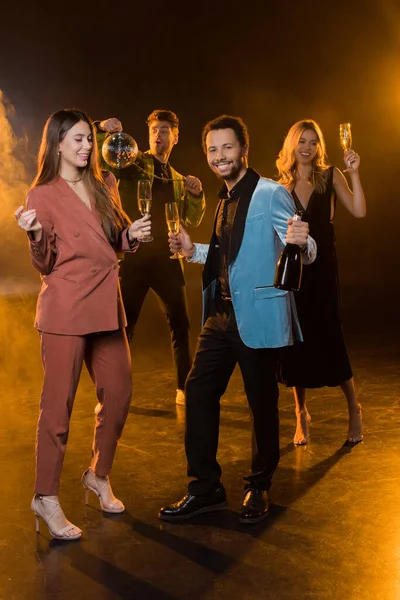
[172,218]
[144,203]
[345,137]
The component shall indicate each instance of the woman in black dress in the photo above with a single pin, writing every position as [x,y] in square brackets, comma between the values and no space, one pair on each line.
[321,360]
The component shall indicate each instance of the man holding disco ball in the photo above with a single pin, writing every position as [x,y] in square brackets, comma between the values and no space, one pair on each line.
[152,267]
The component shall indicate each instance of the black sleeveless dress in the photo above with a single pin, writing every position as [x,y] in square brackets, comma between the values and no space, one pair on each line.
[321,360]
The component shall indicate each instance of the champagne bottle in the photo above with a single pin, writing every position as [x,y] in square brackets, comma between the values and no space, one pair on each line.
[290,265]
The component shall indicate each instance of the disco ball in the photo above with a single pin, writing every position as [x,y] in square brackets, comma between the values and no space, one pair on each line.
[119,150]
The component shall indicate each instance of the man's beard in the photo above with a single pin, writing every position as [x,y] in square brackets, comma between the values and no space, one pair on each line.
[232,174]
[158,149]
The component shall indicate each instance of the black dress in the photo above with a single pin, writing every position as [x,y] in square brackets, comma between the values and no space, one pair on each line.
[321,360]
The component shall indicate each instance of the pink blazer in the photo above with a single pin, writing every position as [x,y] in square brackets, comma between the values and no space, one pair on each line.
[80,291]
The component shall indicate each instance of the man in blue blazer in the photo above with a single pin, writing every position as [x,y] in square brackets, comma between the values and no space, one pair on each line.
[245,321]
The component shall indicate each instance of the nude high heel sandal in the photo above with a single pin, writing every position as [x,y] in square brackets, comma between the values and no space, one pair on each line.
[47,508]
[102,488]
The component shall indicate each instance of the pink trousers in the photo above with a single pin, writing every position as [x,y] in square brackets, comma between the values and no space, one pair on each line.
[107,358]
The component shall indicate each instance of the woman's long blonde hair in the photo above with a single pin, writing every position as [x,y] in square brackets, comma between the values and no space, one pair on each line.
[107,202]
[286,162]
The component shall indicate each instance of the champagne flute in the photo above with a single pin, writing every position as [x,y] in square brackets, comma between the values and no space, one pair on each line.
[172,218]
[345,137]
[144,203]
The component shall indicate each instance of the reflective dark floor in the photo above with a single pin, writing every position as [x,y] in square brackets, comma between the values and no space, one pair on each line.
[334,528]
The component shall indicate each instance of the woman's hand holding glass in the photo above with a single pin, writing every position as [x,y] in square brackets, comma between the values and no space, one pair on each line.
[144,203]
[352,160]
[140,229]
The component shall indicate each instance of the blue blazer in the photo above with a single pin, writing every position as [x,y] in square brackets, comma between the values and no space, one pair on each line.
[266,317]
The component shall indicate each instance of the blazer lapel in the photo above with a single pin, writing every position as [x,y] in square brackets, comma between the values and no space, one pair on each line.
[178,185]
[239,221]
[75,206]
[148,166]
[238,226]
[210,271]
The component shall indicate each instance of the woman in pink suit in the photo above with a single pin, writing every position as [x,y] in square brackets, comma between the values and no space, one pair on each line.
[75,224]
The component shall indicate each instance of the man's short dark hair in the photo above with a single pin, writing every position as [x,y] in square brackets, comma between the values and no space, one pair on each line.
[164,115]
[227,122]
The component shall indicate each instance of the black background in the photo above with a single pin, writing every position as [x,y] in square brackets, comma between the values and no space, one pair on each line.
[271,63]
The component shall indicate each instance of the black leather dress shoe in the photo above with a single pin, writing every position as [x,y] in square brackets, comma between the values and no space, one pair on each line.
[190,506]
[255,506]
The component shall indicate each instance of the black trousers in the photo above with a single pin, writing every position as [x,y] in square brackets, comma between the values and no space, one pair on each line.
[164,276]
[219,349]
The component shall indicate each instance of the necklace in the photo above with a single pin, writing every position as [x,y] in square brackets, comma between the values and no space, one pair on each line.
[72,181]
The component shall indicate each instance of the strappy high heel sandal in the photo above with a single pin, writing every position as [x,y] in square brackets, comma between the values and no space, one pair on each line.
[102,488]
[300,439]
[47,508]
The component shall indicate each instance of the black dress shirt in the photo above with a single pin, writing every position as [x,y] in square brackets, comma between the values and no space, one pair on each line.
[229,238]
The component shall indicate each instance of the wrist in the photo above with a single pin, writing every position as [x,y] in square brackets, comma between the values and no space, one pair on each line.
[35,236]
[191,251]
[132,241]
[353,174]
[98,127]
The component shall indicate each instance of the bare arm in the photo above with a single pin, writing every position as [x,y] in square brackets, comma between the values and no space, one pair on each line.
[353,200]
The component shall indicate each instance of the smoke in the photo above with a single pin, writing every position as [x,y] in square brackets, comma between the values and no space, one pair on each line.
[19,282]
[15,270]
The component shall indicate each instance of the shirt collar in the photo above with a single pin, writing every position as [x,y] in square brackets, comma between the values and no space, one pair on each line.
[160,164]
[249,177]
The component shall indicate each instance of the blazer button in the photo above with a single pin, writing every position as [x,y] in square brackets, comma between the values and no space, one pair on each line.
[93,270]
[76,234]
[115,267]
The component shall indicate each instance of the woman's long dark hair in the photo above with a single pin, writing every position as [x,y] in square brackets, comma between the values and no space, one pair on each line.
[106,198]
